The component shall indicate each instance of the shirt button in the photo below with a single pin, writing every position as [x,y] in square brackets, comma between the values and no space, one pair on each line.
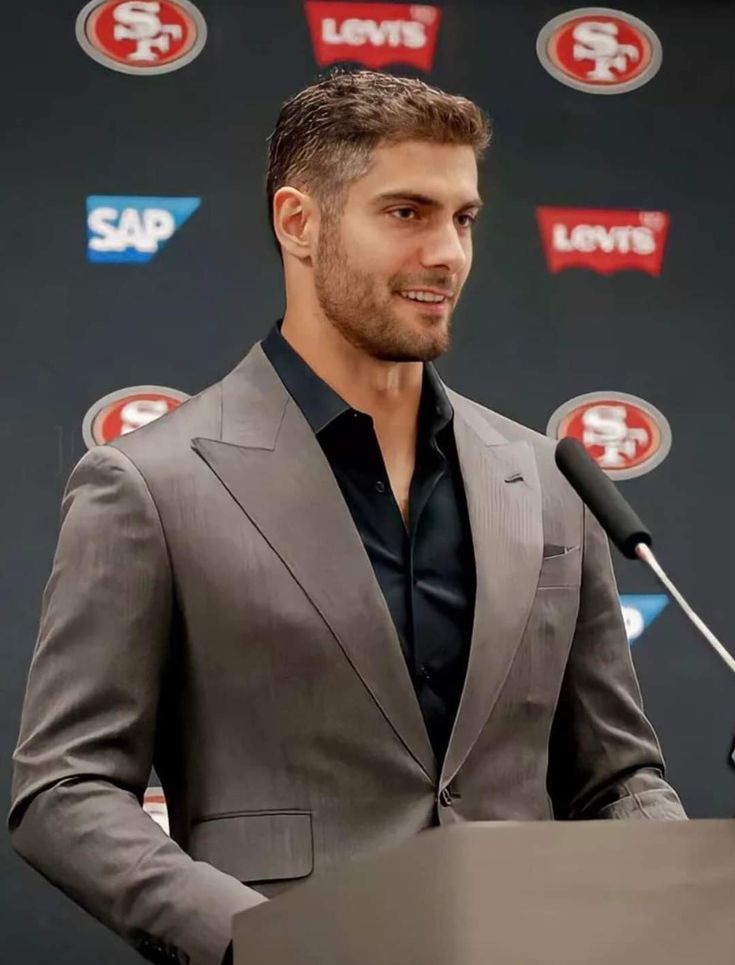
[380,486]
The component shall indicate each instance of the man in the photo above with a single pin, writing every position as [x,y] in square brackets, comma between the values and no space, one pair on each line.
[331,600]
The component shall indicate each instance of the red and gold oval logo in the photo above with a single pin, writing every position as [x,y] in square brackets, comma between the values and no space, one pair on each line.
[599,50]
[126,410]
[625,435]
[141,36]
[154,805]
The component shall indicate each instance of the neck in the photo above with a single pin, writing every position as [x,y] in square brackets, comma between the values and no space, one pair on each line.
[390,392]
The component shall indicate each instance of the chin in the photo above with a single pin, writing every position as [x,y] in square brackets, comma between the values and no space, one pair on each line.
[412,350]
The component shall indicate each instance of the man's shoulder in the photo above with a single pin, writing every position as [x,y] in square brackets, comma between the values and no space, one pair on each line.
[508,429]
[163,448]
[171,434]
[558,498]
[157,454]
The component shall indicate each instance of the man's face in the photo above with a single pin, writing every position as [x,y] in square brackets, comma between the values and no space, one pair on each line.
[406,227]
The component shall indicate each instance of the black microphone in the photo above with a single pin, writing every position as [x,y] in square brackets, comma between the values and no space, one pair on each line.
[622,524]
[614,513]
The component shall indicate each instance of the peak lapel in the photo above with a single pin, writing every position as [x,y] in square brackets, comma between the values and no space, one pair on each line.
[273,466]
[504,504]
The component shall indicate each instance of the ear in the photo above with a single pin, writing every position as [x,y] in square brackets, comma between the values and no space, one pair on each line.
[295,221]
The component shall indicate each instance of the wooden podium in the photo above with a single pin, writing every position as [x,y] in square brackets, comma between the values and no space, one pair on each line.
[507,893]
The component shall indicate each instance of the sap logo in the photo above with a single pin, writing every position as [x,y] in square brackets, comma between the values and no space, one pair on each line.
[132,229]
[640,610]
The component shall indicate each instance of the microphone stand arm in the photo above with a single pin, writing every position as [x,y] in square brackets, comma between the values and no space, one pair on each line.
[645,554]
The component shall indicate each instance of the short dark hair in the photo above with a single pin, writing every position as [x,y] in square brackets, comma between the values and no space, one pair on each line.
[325,134]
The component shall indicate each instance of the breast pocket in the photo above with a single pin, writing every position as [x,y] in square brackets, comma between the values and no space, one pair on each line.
[256,845]
[561,566]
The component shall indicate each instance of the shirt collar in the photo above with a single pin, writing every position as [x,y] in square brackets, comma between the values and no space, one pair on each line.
[321,405]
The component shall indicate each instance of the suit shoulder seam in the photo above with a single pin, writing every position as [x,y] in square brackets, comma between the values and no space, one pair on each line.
[147,489]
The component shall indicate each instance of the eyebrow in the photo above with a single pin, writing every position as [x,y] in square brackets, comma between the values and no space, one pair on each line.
[423,199]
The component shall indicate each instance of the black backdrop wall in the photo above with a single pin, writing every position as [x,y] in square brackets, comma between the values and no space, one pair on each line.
[527,339]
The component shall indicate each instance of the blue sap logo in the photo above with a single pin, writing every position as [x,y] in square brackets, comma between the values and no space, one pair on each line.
[640,610]
[133,229]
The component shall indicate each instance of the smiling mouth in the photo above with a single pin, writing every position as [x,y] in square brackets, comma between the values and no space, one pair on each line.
[425,298]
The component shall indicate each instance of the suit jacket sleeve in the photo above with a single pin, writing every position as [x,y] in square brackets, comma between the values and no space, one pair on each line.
[604,758]
[87,732]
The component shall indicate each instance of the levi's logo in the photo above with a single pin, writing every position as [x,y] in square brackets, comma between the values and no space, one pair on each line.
[603,240]
[373,34]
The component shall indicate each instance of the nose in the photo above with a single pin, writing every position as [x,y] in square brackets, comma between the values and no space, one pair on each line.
[444,248]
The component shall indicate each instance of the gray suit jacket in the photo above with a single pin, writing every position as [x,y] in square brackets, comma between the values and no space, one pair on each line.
[212,611]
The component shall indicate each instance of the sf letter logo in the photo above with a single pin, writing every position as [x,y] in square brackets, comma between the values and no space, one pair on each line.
[138,21]
[598,42]
[141,36]
[599,51]
[606,426]
[624,434]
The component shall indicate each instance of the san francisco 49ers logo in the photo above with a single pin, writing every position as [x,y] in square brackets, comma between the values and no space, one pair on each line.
[625,435]
[599,51]
[154,805]
[141,36]
[124,411]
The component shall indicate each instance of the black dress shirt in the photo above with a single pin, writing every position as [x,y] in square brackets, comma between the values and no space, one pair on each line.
[426,570]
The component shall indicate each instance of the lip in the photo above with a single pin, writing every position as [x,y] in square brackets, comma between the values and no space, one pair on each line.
[431,291]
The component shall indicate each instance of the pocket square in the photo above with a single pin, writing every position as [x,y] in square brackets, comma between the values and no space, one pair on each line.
[551,550]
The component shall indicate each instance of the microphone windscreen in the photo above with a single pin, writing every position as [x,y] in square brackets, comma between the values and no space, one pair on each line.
[598,492]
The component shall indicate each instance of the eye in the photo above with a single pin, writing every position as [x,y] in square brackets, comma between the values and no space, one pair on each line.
[471,219]
[402,210]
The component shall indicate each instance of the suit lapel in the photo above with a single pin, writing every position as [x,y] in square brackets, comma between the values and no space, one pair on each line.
[504,505]
[270,462]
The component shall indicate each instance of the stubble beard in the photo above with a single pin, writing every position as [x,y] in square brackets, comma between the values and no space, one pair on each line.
[367,321]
